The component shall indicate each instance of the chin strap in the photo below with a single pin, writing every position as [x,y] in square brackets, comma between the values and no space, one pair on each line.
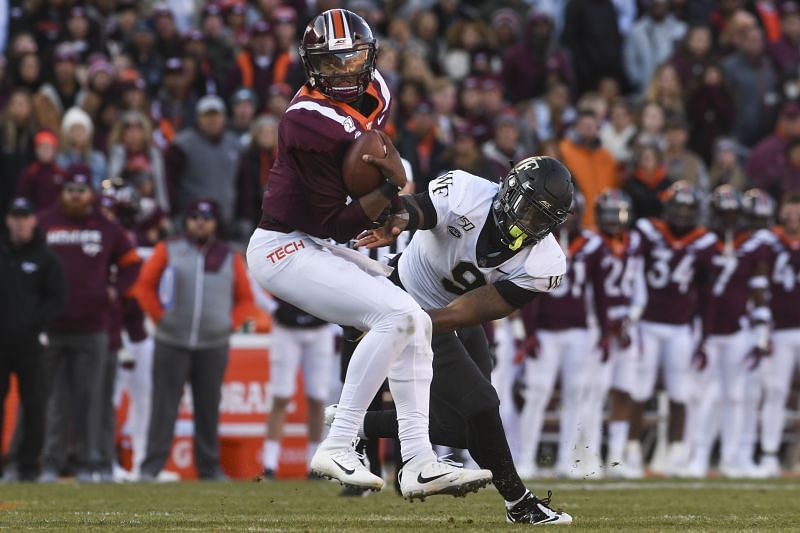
[518,235]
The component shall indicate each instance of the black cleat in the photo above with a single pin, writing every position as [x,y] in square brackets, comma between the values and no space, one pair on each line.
[532,510]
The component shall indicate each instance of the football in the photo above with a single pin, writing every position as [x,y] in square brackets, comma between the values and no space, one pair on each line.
[361,178]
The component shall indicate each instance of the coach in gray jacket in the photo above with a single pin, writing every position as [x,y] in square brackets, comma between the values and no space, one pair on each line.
[195,289]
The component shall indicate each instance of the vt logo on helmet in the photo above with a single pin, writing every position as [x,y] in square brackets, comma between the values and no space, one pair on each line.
[535,197]
[338,53]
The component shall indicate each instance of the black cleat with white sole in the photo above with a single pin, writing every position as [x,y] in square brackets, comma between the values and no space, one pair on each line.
[531,510]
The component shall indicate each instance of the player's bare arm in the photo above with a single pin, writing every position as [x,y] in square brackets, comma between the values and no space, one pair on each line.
[477,306]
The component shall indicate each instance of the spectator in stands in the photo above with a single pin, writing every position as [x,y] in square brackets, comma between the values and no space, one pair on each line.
[98,93]
[32,294]
[61,93]
[592,35]
[88,245]
[726,168]
[168,40]
[652,120]
[174,107]
[592,166]
[680,162]
[766,158]
[444,98]
[204,161]
[201,80]
[651,42]
[17,130]
[785,52]
[146,59]
[784,176]
[505,146]
[192,335]
[535,61]
[41,181]
[81,34]
[27,73]
[260,65]
[647,181]
[243,109]
[420,146]
[254,168]
[131,151]
[618,134]
[754,86]
[464,154]
[693,57]
[549,117]
[711,112]
[665,89]
[219,48]
[76,145]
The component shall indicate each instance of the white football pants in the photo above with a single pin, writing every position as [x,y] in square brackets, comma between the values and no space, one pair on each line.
[666,346]
[138,382]
[307,349]
[503,375]
[569,352]
[777,372]
[333,287]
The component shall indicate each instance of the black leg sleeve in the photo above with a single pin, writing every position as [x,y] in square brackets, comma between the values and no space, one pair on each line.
[486,442]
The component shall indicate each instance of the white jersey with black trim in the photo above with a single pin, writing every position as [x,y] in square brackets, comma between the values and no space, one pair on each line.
[440,264]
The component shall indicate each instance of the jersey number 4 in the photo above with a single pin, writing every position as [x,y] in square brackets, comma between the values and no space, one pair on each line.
[466,277]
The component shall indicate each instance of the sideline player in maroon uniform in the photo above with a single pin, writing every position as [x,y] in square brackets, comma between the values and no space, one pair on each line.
[561,343]
[306,203]
[778,370]
[737,282]
[620,269]
[677,252]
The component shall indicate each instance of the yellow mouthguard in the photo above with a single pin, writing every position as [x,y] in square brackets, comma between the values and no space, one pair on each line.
[518,235]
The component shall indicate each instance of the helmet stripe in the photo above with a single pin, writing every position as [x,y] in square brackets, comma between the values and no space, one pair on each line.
[346,24]
[338,24]
[329,23]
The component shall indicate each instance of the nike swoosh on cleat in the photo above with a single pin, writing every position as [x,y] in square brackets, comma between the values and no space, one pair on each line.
[347,471]
[424,480]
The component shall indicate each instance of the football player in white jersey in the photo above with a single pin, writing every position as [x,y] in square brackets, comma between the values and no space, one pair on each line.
[487,251]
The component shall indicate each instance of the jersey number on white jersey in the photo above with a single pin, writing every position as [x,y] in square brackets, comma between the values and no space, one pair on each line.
[465,277]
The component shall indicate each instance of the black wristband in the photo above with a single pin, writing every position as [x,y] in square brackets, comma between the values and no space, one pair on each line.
[413,218]
[389,189]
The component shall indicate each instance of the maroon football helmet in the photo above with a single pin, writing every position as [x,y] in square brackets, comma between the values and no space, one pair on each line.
[682,207]
[338,52]
[613,211]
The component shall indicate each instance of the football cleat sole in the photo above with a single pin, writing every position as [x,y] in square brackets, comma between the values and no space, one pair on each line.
[322,475]
[458,491]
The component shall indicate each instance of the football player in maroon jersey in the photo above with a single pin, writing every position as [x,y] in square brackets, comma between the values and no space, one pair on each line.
[737,282]
[306,204]
[778,370]
[621,272]
[677,253]
[561,345]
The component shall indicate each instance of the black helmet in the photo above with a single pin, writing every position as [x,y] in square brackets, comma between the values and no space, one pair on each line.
[534,197]
[338,53]
[682,206]
[759,208]
[726,206]
[613,211]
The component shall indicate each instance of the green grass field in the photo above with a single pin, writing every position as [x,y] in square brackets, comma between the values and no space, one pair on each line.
[314,506]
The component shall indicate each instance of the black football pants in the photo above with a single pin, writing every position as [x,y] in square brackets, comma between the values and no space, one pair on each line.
[464,409]
[25,361]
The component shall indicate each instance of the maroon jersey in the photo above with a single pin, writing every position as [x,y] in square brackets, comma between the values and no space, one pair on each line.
[784,287]
[728,290]
[305,190]
[41,184]
[619,263]
[87,248]
[565,306]
[673,268]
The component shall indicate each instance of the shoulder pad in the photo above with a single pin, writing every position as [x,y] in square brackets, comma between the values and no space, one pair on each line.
[546,259]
